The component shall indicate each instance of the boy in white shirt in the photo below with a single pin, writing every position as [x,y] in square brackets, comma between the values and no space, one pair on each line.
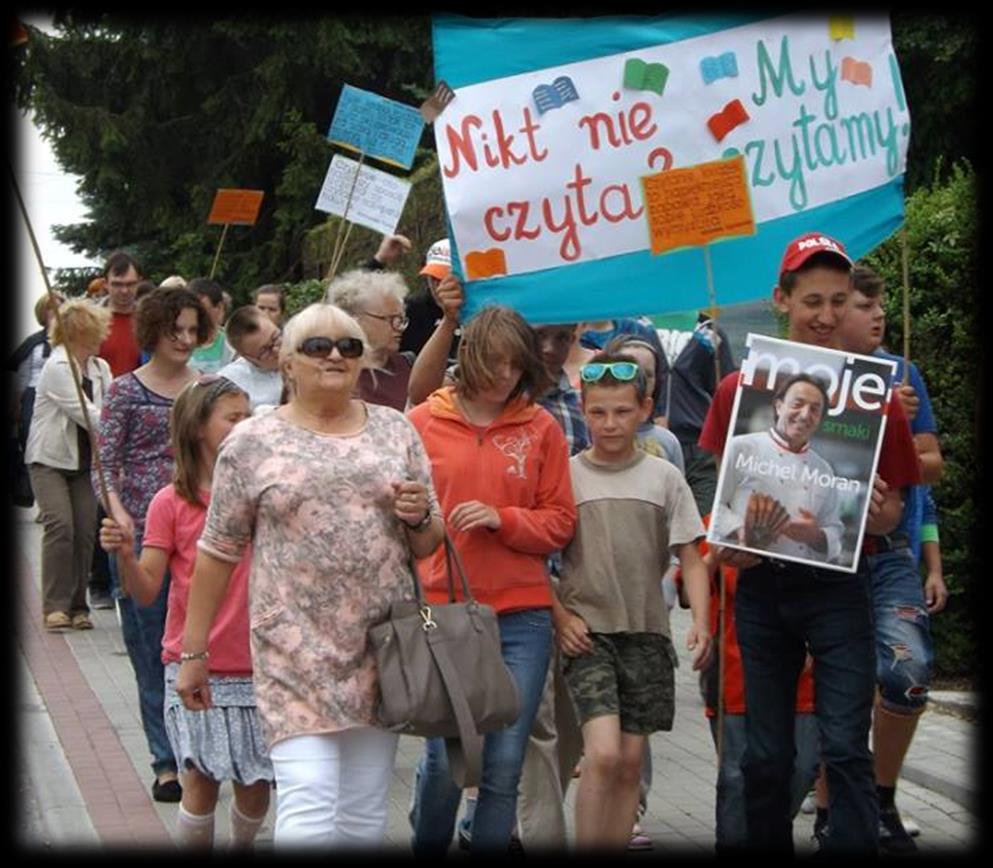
[610,618]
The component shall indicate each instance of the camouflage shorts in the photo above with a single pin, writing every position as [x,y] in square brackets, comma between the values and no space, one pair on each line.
[627,674]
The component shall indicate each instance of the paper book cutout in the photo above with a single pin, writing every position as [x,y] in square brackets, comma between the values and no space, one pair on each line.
[237,207]
[639,75]
[856,71]
[723,66]
[485,263]
[731,116]
[841,27]
[435,104]
[554,95]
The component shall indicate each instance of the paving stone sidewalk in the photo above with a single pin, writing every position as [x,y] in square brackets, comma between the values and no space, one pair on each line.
[84,775]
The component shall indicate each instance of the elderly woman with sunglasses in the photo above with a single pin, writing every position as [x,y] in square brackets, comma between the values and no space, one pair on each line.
[375,299]
[137,458]
[335,495]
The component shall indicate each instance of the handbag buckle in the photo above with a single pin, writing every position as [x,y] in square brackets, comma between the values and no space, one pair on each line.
[429,622]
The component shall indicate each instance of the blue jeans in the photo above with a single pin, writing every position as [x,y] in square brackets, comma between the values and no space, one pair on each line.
[142,628]
[780,610]
[904,653]
[526,643]
[731,828]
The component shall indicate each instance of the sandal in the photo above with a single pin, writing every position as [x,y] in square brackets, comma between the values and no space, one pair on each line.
[81,621]
[57,622]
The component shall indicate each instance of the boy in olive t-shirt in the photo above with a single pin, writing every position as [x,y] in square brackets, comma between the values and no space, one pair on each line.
[611,620]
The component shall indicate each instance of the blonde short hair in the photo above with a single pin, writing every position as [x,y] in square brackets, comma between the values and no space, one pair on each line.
[44,304]
[320,320]
[353,290]
[80,320]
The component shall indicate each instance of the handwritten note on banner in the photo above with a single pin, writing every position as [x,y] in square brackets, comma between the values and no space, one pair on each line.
[377,199]
[561,189]
[383,128]
[698,204]
[798,488]
[237,207]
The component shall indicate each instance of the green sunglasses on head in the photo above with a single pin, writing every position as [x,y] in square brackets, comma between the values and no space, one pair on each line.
[593,371]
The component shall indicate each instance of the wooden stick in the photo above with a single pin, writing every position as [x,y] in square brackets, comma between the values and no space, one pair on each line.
[217,255]
[905,257]
[712,293]
[54,299]
[721,614]
[339,243]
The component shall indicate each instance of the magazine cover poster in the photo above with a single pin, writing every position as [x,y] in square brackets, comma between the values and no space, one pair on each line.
[796,475]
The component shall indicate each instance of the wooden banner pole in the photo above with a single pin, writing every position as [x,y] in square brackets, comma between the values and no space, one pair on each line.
[339,244]
[905,257]
[721,613]
[54,299]
[217,255]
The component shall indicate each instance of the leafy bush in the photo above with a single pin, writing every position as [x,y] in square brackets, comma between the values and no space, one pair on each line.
[942,238]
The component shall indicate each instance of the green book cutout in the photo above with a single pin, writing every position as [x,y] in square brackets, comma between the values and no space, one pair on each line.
[639,75]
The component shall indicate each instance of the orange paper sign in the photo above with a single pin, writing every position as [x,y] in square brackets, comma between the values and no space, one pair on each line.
[696,205]
[240,207]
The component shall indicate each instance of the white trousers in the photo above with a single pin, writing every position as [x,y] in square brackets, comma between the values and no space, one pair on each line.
[331,789]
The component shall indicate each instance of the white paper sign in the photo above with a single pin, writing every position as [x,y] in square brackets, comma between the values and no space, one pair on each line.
[377,200]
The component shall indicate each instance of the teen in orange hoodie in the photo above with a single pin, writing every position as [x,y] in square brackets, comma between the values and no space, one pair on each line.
[500,466]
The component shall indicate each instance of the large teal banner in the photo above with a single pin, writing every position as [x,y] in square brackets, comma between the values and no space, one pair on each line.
[555,122]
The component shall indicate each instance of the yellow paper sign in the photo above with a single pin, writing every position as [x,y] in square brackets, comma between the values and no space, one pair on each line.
[699,204]
[240,207]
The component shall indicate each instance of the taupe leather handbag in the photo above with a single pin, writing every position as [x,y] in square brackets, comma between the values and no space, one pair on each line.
[441,673]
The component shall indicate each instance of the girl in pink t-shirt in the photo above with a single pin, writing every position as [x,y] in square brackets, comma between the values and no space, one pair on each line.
[225,742]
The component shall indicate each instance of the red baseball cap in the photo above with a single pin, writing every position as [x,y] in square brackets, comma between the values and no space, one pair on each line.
[799,250]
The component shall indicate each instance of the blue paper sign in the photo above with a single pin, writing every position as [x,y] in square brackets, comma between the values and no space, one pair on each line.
[383,128]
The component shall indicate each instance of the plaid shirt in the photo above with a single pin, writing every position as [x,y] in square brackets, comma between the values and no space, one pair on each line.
[563,402]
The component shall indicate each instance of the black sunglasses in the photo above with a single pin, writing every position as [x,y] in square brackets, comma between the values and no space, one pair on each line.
[320,347]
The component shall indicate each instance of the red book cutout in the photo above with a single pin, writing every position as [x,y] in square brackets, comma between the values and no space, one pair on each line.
[485,263]
[731,116]
[856,71]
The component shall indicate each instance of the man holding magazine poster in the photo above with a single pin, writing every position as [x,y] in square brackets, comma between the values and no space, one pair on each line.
[787,605]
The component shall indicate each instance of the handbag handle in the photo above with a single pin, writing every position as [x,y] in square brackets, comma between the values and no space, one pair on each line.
[452,557]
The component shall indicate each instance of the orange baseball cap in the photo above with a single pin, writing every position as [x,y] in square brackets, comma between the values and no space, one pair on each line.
[438,262]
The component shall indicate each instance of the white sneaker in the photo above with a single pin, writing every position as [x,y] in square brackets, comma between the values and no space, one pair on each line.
[911,828]
[809,806]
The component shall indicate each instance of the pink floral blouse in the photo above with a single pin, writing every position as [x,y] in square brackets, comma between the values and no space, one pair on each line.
[328,558]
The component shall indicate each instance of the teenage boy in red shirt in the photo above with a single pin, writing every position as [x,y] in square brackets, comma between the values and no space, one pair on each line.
[783,608]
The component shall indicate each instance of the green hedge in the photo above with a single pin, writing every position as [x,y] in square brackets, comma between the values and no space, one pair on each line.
[942,238]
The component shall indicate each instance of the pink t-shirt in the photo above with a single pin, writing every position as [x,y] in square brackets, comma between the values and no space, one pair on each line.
[174,525]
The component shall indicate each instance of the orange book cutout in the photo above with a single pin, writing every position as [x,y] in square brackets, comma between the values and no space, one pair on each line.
[240,207]
[485,263]
[698,204]
[856,71]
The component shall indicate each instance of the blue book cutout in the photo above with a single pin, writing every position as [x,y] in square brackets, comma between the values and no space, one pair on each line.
[722,66]
[554,95]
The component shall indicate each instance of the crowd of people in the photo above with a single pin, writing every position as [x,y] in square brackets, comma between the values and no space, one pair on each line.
[248,489]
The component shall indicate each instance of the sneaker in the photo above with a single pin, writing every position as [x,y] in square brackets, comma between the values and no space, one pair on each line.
[639,840]
[57,622]
[911,828]
[893,837]
[809,805]
[820,834]
[100,599]
[166,791]
[465,835]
